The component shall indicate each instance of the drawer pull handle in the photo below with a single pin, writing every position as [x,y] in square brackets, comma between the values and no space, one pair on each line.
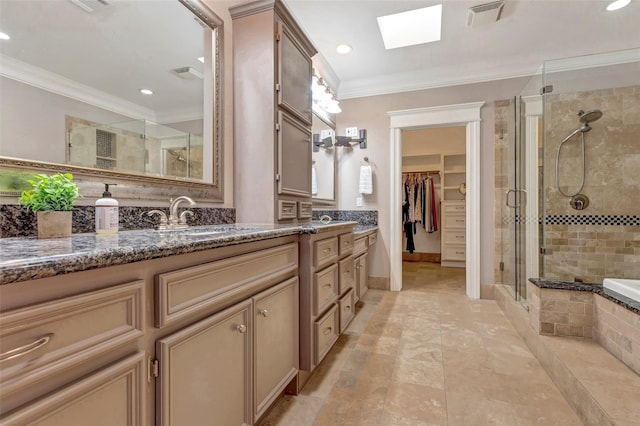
[459,252]
[327,285]
[459,220]
[23,350]
[241,328]
[459,236]
[263,312]
[327,250]
[327,330]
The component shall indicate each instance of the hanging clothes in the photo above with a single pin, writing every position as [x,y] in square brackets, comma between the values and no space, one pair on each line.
[419,205]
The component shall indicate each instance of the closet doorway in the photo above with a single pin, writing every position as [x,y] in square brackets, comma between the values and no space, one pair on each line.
[467,115]
[433,196]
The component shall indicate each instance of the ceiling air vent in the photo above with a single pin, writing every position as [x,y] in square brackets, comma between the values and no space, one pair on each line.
[484,13]
[187,73]
[91,6]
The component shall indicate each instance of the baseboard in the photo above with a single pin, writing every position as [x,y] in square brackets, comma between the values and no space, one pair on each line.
[487,291]
[421,257]
[380,283]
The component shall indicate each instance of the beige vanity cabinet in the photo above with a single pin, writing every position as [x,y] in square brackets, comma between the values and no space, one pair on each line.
[205,371]
[209,337]
[74,357]
[229,367]
[327,293]
[272,110]
[362,275]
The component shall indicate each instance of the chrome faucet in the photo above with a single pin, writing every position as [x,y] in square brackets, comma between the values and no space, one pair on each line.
[174,221]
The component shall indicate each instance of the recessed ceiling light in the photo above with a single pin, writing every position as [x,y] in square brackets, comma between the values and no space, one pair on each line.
[146,91]
[618,4]
[4,36]
[344,48]
[201,59]
[412,27]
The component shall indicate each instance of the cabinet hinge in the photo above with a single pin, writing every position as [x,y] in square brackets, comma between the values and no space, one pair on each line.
[277,87]
[502,266]
[153,371]
[546,89]
[277,36]
[277,127]
[278,177]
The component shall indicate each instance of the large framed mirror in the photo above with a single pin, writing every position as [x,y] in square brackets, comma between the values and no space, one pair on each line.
[323,178]
[120,90]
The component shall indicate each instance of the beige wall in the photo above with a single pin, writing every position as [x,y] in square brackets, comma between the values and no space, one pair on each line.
[371,113]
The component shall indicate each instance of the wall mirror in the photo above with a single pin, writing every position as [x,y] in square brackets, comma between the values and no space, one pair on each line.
[74,76]
[323,185]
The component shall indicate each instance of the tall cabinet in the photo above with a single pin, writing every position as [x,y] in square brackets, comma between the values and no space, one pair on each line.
[272,114]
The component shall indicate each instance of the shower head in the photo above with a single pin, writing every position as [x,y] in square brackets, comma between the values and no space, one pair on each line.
[589,116]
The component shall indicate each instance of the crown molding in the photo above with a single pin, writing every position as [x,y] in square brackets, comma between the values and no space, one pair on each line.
[55,83]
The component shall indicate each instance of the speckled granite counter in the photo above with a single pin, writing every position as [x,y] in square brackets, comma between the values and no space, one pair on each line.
[597,288]
[360,230]
[27,258]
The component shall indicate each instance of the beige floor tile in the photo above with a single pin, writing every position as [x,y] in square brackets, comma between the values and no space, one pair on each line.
[427,356]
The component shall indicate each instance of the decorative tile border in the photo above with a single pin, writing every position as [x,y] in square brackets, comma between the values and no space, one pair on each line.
[612,220]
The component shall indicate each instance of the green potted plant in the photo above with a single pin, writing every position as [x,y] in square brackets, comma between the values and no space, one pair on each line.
[51,198]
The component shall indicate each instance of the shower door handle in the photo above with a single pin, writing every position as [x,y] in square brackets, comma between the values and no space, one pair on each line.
[514,191]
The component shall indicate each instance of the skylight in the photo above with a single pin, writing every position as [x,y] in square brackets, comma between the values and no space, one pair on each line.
[412,27]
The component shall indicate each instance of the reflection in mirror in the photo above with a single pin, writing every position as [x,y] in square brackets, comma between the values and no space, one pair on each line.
[71,91]
[323,157]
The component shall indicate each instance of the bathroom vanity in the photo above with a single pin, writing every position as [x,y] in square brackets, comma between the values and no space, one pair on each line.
[171,326]
[135,341]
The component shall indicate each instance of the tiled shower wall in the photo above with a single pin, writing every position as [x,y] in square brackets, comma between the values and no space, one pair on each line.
[604,239]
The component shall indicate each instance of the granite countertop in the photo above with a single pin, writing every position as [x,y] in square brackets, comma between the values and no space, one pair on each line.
[360,230]
[597,288]
[27,258]
[317,226]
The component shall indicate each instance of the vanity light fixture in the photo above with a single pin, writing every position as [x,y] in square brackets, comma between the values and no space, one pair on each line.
[146,91]
[618,4]
[323,97]
[4,36]
[201,59]
[344,49]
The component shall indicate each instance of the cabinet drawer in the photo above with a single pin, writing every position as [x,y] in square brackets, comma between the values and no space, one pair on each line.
[346,243]
[304,210]
[325,288]
[325,251]
[360,245]
[287,209]
[454,208]
[454,253]
[69,333]
[347,274]
[114,395]
[454,237]
[347,306]
[326,331]
[218,284]
[454,221]
[373,238]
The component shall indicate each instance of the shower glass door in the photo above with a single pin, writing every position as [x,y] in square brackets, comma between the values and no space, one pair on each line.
[519,146]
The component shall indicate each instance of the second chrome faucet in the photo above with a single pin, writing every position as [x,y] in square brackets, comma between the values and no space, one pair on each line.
[174,221]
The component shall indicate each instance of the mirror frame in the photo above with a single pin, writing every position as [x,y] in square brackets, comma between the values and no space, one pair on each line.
[156,188]
[326,202]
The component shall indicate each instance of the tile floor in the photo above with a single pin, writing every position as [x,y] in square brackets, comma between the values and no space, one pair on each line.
[427,356]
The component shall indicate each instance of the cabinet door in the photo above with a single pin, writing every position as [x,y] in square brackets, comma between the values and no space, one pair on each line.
[205,371]
[362,275]
[294,157]
[276,342]
[114,395]
[294,75]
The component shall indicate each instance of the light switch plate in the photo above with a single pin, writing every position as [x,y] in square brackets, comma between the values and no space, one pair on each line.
[351,131]
[358,201]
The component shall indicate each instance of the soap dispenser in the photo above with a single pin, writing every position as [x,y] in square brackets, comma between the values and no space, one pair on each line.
[107,216]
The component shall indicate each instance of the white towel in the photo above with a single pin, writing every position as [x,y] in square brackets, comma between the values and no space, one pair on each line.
[366,181]
[314,182]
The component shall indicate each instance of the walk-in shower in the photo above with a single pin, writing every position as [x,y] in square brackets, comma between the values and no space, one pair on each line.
[578,201]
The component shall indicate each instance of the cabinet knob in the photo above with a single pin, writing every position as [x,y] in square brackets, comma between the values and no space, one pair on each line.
[327,285]
[348,307]
[263,312]
[241,328]
[327,250]
[327,330]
